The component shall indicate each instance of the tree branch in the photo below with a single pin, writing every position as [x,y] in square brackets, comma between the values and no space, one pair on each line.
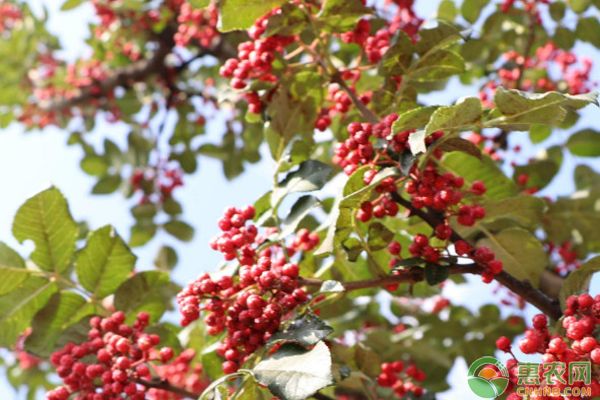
[136,72]
[412,275]
[165,385]
[548,305]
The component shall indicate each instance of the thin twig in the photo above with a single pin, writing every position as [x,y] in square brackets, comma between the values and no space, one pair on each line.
[412,275]
[165,385]
[366,113]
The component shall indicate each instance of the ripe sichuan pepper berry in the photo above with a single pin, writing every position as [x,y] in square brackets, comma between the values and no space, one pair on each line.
[576,344]
[428,188]
[402,379]
[250,305]
[110,363]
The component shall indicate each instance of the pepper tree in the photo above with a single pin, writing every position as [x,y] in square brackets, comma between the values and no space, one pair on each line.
[332,285]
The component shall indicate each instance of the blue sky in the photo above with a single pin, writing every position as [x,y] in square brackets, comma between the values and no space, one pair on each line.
[36,160]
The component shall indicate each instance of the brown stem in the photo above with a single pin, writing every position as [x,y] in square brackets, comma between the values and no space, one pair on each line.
[548,305]
[165,385]
[411,275]
[135,72]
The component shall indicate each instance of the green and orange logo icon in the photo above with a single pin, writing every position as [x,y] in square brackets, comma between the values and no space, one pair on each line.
[488,377]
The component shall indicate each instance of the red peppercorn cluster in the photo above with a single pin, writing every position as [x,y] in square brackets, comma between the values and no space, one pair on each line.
[250,305]
[156,183]
[255,56]
[26,360]
[560,70]
[9,16]
[338,102]
[443,193]
[179,373]
[564,257]
[197,25]
[110,362]
[530,6]
[359,148]
[581,318]
[403,380]
[376,45]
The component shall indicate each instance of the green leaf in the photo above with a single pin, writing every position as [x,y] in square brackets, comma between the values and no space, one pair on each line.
[241,14]
[527,211]
[379,236]
[540,172]
[341,15]
[465,113]
[187,160]
[588,30]
[557,10]
[435,274]
[457,143]
[310,176]
[447,10]
[564,37]
[586,177]
[354,193]
[439,37]
[149,291]
[166,259]
[575,219]
[521,109]
[471,9]
[70,4]
[289,116]
[539,133]
[179,229]
[18,307]
[498,185]
[301,208]
[416,118]
[291,21]
[367,360]
[104,263]
[45,219]
[172,206]
[579,6]
[293,373]
[306,331]
[398,58]
[107,184]
[94,165]
[585,143]
[12,269]
[199,3]
[141,234]
[63,310]
[437,66]
[521,253]
[578,281]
